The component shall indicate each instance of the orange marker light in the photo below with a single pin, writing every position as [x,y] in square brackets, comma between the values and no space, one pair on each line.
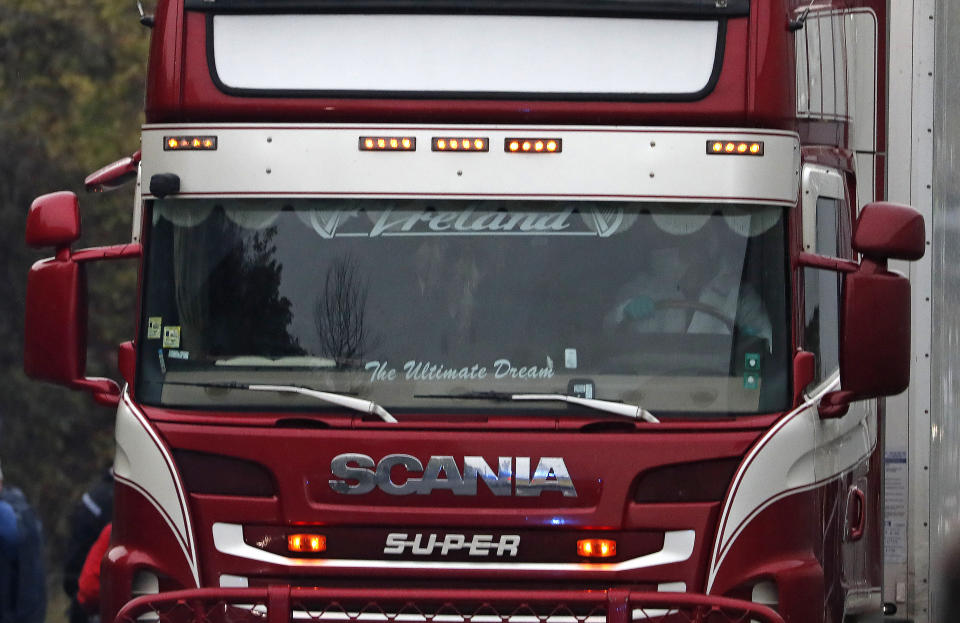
[388,143]
[309,543]
[459,143]
[596,548]
[533,145]
[189,143]
[734,148]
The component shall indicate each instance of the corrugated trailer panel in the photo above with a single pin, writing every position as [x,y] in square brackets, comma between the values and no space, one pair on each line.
[945,425]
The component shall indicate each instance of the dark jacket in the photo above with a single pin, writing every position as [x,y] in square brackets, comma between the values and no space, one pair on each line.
[91,513]
[24,593]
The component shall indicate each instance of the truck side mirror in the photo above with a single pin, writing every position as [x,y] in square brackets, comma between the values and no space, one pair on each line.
[875,313]
[53,221]
[55,341]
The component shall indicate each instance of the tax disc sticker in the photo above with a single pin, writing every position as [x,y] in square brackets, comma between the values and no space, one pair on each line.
[171,337]
[154,327]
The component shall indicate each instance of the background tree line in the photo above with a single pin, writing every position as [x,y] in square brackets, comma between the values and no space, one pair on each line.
[72,78]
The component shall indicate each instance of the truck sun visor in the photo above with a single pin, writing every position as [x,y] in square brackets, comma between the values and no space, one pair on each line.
[613,8]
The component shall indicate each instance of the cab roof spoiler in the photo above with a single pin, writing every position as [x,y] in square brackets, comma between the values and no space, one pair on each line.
[690,9]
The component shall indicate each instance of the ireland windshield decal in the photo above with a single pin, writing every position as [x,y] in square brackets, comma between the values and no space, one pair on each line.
[431,221]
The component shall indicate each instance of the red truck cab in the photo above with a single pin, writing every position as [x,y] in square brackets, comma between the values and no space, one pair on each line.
[471,310]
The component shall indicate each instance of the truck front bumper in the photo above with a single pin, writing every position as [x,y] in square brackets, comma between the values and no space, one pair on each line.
[283,604]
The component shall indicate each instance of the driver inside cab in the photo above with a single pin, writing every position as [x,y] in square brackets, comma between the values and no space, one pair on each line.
[691,280]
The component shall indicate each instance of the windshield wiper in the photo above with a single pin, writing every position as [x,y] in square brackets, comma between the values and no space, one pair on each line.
[357,404]
[635,412]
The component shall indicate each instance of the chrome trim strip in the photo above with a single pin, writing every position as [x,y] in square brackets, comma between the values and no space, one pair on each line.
[677,547]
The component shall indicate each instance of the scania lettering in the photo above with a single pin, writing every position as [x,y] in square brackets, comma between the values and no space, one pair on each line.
[474,310]
[442,473]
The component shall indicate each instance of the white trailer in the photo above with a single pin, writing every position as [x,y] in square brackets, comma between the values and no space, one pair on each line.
[923,433]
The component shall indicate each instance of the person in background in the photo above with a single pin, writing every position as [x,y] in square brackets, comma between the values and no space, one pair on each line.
[8,555]
[88,518]
[23,593]
[88,585]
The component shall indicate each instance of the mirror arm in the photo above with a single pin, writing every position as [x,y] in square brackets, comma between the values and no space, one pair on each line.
[114,252]
[873,266]
[836,264]
[835,404]
[105,391]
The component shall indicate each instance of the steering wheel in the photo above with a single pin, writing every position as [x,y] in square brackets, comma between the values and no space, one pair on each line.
[705,308]
[708,309]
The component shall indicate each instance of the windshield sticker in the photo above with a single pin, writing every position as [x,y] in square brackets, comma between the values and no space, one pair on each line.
[178,354]
[171,337]
[163,362]
[415,370]
[595,222]
[751,380]
[570,358]
[583,388]
[154,327]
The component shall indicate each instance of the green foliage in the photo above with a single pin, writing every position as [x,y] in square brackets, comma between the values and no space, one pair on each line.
[71,99]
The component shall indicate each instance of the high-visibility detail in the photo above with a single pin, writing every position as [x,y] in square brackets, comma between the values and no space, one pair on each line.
[596,548]
[460,143]
[311,543]
[388,143]
[533,145]
[734,148]
[189,143]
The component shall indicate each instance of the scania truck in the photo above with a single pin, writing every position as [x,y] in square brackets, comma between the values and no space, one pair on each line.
[490,311]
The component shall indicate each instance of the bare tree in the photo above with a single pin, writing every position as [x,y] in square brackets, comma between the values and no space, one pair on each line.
[340,313]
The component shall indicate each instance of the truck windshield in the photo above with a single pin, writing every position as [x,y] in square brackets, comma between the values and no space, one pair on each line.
[421,304]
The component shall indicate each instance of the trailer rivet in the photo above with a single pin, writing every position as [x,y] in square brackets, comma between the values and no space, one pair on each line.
[269,139]
[269,171]
[651,173]
[459,173]
[653,143]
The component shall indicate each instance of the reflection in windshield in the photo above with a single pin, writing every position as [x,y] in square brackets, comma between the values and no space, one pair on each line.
[678,307]
[340,314]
